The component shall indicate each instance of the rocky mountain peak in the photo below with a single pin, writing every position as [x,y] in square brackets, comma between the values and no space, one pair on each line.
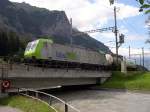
[4,3]
[32,21]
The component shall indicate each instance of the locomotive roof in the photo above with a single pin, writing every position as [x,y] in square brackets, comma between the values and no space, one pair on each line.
[45,40]
[77,46]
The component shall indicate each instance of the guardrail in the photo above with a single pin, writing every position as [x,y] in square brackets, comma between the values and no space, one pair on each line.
[58,104]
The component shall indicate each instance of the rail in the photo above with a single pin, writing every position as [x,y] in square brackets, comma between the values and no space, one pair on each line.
[58,104]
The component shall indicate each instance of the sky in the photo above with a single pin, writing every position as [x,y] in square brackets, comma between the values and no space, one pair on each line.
[95,14]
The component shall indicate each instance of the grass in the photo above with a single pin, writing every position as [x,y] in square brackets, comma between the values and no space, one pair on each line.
[25,104]
[131,81]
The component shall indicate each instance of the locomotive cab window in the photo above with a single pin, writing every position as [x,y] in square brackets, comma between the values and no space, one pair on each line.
[28,47]
[33,46]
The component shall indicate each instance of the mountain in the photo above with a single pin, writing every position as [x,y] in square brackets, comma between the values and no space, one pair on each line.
[34,22]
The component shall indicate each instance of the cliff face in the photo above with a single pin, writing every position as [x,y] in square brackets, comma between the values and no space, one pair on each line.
[32,21]
[24,18]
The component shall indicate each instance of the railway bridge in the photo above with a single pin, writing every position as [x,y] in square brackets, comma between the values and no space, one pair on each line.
[27,76]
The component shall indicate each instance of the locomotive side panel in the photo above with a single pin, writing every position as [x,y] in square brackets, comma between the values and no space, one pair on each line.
[82,54]
[102,59]
[91,58]
[46,50]
[77,54]
[96,58]
[64,53]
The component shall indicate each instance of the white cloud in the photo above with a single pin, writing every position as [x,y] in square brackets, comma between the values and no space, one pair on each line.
[135,37]
[131,36]
[123,30]
[84,13]
[126,11]
[108,35]
[124,51]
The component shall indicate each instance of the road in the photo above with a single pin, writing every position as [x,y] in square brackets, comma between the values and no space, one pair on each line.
[8,109]
[107,101]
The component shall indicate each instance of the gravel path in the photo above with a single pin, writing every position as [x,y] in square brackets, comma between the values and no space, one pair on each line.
[107,101]
[8,109]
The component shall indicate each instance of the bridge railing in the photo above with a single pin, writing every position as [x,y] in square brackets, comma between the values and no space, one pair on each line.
[58,104]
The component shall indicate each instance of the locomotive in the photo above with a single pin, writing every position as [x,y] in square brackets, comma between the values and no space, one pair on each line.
[70,56]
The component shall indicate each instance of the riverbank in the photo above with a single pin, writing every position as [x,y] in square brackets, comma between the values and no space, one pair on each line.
[25,104]
[129,81]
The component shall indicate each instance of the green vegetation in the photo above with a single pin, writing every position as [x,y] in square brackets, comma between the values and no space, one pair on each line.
[131,81]
[25,104]
[144,5]
[12,44]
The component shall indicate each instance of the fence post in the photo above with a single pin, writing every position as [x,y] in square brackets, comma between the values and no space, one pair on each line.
[26,92]
[50,101]
[27,67]
[66,107]
[36,94]
[18,91]
[11,66]
[2,70]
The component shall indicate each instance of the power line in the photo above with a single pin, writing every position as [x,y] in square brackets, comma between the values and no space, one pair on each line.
[95,30]
[131,26]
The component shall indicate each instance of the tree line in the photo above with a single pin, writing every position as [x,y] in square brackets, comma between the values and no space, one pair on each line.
[11,44]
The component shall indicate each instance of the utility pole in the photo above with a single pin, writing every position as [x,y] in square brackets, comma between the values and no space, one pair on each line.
[143,55]
[129,53]
[135,61]
[116,32]
[140,59]
[71,31]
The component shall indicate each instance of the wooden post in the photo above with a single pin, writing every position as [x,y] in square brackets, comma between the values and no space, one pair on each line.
[129,52]
[50,101]
[0,87]
[66,107]
[26,92]
[27,67]
[36,95]
[143,55]
[18,91]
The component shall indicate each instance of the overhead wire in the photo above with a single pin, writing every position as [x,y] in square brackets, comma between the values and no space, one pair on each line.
[133,28]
